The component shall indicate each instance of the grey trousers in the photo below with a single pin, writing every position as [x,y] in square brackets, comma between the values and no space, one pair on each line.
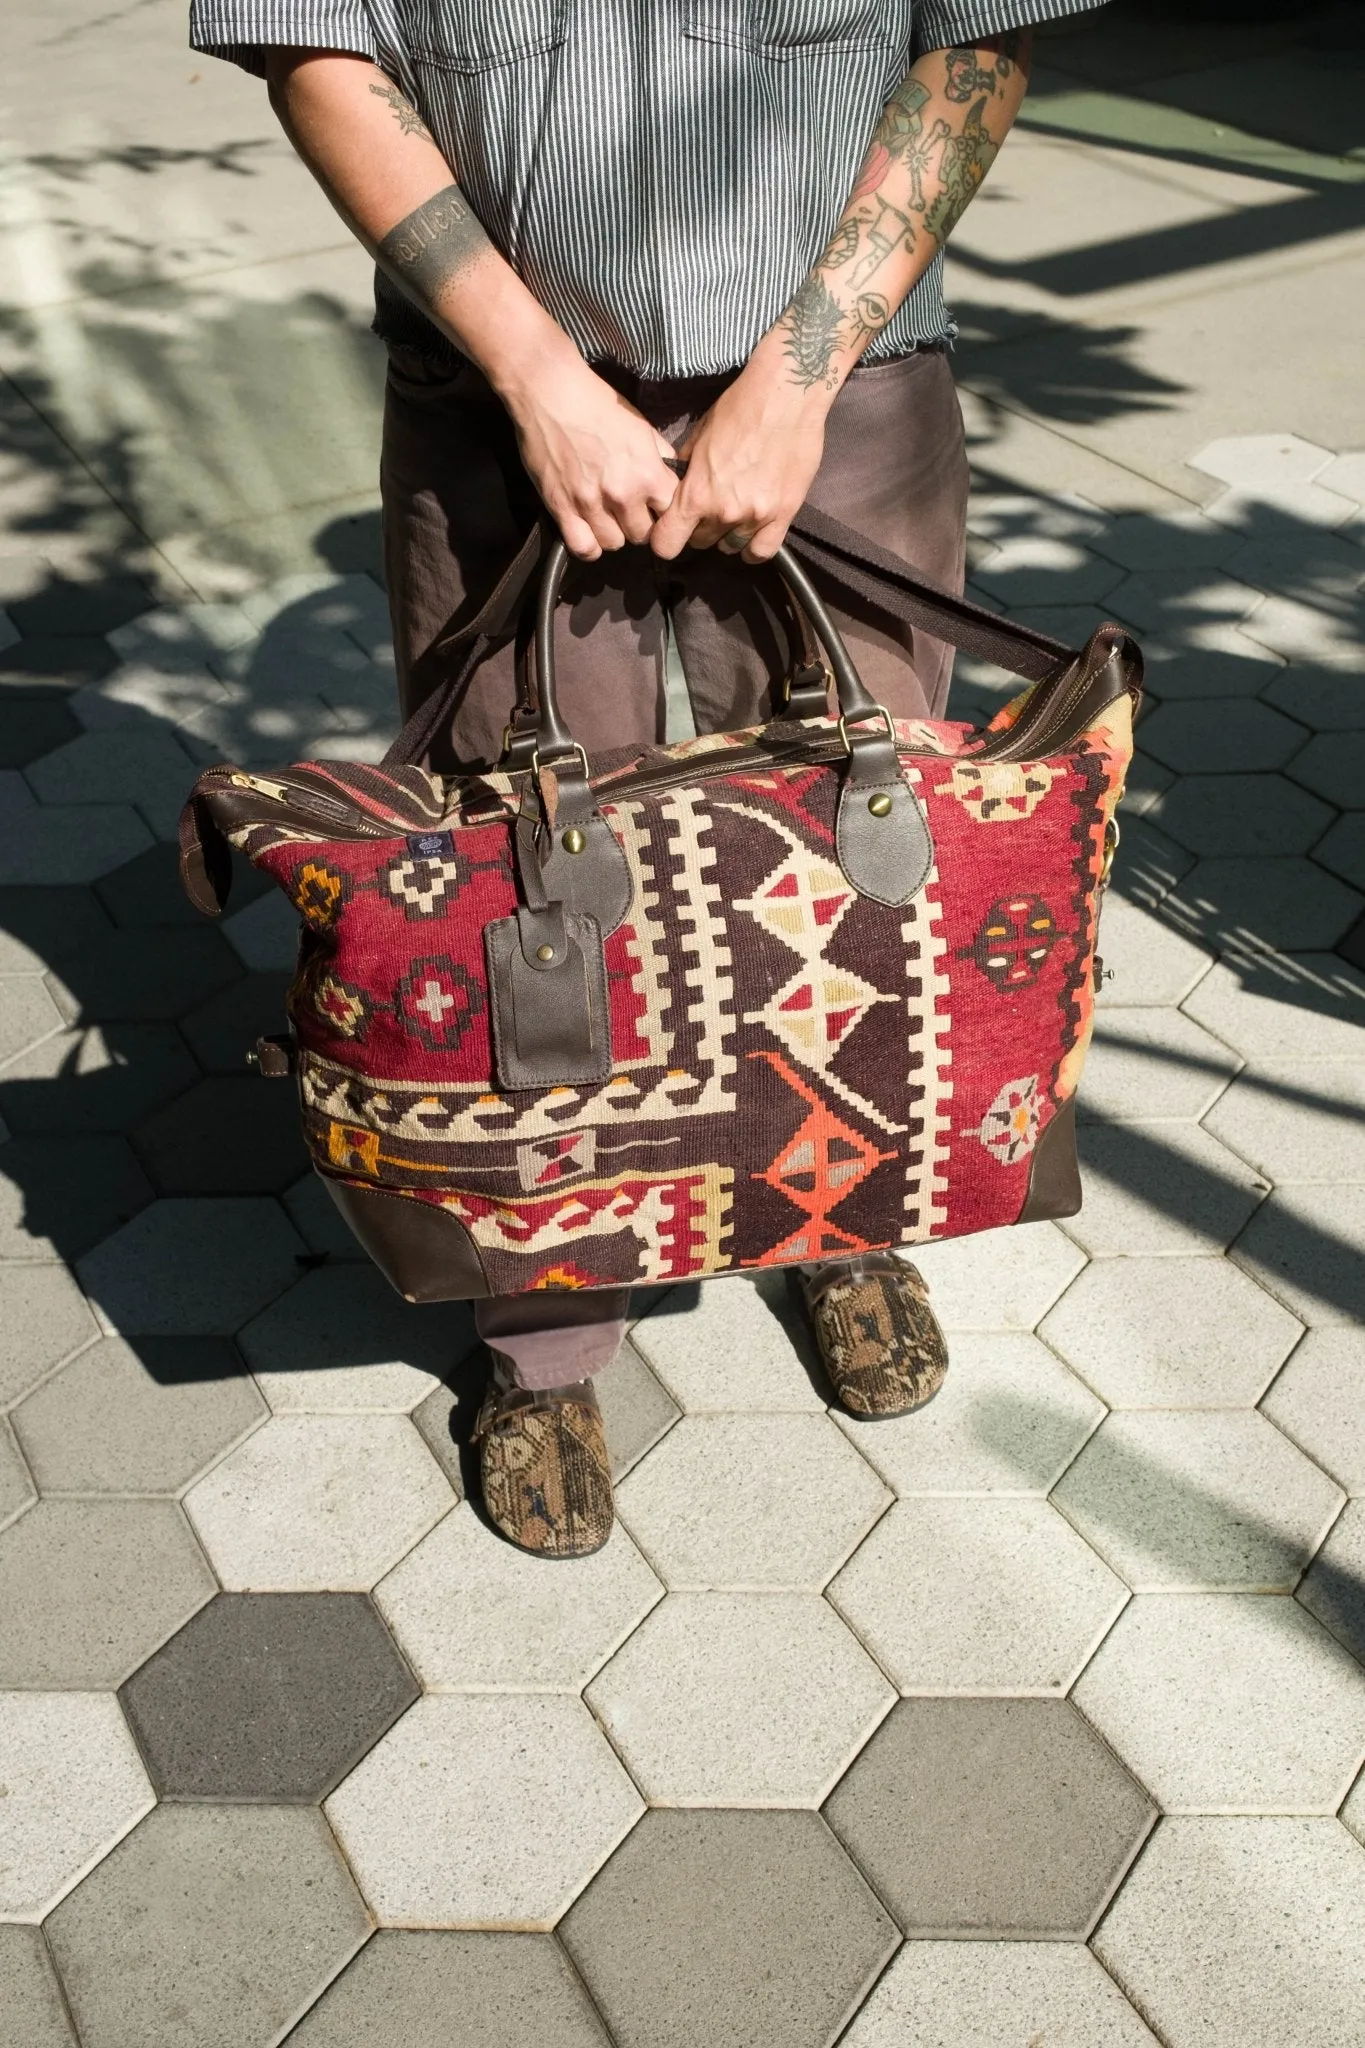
[456,504]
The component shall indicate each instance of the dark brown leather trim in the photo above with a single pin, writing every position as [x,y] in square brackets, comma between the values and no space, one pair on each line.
[422,1250]
[1054,1184]
[547,998]
[885,853]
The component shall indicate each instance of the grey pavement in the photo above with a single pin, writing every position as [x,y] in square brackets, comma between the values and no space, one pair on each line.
[1038,1718]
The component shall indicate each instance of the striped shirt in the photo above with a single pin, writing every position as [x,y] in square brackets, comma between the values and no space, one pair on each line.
[662,174]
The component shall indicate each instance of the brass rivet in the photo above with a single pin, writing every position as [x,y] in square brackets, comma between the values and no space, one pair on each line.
[573,840]
[545,952]
[880,804]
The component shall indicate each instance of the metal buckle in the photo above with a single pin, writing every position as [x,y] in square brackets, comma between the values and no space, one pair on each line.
[877,711]
[582,756]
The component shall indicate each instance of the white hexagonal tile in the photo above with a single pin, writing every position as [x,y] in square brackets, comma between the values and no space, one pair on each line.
[46,1318]
[192,1266]
[1172,601]
[1209,658]
[1149,962]
[1345,474]
[1302,562]
[1171,1333]
[27,1014]
[1305,633]
[740,1699]
[182,636]
[1273,459]
[1229,1703]
[483,1811]
[74,1785]
[1032,569]
[1333,1587]
[1307,1245]
[1317,1402]
[70,842]
[1180,1501]
[1308,1006]
[1009,1418]
[984,1994]
[1058,515]
[997,1279]
[746,1502]
[17,1490]
[1297,1120]
[1153,1189]
[137,693]
[1286,508]
[729,1351]
[986,1595]
[342,1339]
[1149,541]
[143,767]
[473,1614]
[1152,1063]
[326,1502]
[1243,1934]
[1353,1812]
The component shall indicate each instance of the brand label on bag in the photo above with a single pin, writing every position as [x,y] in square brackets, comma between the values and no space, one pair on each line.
[431,845]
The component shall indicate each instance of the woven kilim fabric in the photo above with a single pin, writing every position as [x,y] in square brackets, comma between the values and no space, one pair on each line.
[797,1071]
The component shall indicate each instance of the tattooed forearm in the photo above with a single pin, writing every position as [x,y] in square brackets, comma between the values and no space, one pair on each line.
[433,245]
[812,324]
[966,159]
[406,115]
[967,75]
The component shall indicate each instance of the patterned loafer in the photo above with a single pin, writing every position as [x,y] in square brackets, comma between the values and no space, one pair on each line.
[879,1339]
[543,1463]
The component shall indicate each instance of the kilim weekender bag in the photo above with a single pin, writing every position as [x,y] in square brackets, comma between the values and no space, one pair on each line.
[751,999]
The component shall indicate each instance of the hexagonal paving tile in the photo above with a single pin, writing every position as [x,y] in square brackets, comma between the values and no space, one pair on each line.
[728,1927]
[1305,1245]
[1148,1062]
[46,1318]
[325,1502]
[27,1014]
[16,1482]
[65,606]
[149,890]
[1305,633]
[508,1989]
[437,1422]
[142,976]
[1326,698]
[1297,1120]
[70,842]
[270,1696]
[106,1423]
[978,1596]
[1342,850]
[997,1279]
[33,723]
[1308,1006]
[636,1409]
[342,1339]
[1171,1333]
[60,1195]
[1148,863]
[751,1501]
[1333,1588]
[1153,1189]
[977,1994]
[144,767]
[1283,902]
[1316,1402]
[232,1918]
[1229,1703]
[1179,1501]
[1249,1925]
[222,1031]
[1149,962]
[32,2009]
[1269,459]
[1220,736]
[472,1613]
[228,1135]
[1311,565]
[1169,540]
[729,1351]
[73,1786]
[88,1588]
[192,1267]
[317,1219]
[739,1699]
[95,1080]
[483,1811]
[1240,814]
[1333,765]
[1039,569]
[1353,1812]
[1008,1419]
[993,1818]
[1179,603]
[1210,658]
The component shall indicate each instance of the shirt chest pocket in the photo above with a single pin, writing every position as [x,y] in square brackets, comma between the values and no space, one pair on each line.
[483,35]
[785,29]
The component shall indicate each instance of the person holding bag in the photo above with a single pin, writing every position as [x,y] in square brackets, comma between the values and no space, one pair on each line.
[607,238]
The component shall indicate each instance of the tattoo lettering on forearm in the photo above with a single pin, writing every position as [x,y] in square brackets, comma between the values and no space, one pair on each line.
[434,244]
[406,115]
[813,323]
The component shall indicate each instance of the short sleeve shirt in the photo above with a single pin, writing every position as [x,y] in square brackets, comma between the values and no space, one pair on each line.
[661,173]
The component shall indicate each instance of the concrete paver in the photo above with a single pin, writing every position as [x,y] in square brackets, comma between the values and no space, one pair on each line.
[1129,292]
[74,1785]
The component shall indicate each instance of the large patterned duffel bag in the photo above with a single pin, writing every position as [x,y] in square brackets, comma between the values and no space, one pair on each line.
[752,999]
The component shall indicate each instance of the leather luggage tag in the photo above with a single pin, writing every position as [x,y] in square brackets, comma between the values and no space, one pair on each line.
[547,986]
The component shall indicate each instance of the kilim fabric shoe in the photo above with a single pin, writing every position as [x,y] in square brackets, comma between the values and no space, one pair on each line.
[879,1339]
[543,1463]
